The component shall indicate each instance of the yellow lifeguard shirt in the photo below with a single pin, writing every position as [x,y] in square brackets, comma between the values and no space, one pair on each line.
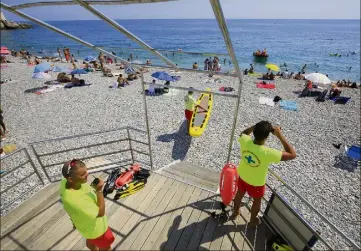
[190,102]
[255,160]
[81,206]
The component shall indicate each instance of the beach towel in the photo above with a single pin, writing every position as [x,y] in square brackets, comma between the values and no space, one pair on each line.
[289,105]
[226,89]
[340,99]
[266,101]
[266,86]
[70,85]
[47,89]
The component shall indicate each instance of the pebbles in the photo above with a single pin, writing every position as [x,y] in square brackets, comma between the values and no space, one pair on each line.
[312,130]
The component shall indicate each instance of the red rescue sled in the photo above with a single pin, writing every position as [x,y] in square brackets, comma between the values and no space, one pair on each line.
[228,183]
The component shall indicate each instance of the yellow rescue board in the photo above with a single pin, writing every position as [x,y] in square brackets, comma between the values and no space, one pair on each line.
[200,117]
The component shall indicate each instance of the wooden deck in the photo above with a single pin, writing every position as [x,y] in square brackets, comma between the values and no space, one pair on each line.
[166,215]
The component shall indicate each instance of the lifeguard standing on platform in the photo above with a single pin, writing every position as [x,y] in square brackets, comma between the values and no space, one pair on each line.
[255,160]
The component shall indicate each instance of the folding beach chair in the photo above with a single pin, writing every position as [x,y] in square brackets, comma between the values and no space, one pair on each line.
[354,152]
[305,92]
[322,96]
[351,157]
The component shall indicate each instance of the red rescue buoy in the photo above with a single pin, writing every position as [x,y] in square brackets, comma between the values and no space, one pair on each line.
[127,176]
[228,183]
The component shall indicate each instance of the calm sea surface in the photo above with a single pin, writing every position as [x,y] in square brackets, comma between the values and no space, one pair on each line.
[294,42]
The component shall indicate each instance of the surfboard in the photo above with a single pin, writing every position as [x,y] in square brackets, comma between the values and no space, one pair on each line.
[200,117]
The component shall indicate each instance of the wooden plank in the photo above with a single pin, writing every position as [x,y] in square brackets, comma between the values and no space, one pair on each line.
[164,217]
[135,215]
[30,208]
[50,232]
[229,229]
[239,236]
[26,231]
[184,217]
[139,223]
[120,217]
[172,220]
[201,172]
[210,228]
[200,182]
[58,231]
[74,237]
[152,221]
[206,208]
[192,222]
[223,230]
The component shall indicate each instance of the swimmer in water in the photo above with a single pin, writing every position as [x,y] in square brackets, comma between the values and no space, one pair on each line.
[349,69]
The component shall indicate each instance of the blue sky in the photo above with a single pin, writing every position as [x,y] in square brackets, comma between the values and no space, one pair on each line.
[235,9]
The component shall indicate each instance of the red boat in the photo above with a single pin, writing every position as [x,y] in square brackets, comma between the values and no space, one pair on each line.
[260,55]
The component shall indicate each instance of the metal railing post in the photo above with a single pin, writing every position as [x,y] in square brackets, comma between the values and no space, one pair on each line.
[32,163]
[130,145]
[217,9]
[147,121]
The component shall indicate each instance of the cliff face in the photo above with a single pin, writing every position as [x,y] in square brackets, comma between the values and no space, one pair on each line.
[8,25]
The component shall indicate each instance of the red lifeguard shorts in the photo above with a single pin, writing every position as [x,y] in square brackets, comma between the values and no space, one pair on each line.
[103,241]
[188,114]
[253,191]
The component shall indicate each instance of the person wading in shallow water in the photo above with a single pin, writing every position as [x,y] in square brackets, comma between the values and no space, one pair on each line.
[253,167]
[85,205]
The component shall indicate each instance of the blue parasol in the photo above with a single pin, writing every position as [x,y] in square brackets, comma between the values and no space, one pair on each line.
[43,67]
[90,59]
[130,70]
[162,75]
[78,71]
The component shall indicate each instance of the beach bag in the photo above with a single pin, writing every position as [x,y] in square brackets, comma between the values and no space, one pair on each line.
[277,98]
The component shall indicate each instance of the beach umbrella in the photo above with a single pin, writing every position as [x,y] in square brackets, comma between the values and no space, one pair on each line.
[43,67]
[273,67]
[162,75]
[59,69]
[41,75]
[318,78]
[130,70]
[78,71]
[90,59]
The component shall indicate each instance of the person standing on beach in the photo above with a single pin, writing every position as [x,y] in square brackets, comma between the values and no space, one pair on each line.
[85,205]
[254,164]
[190,105]
[3,127]
[206,64]
[59,53]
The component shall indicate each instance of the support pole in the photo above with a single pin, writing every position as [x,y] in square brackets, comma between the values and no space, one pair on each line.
[217,9]
[147,121]
[124,31]
[61,32]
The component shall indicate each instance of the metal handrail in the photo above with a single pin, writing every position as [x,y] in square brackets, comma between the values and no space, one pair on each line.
[194,89]
[350,241]
[35,171]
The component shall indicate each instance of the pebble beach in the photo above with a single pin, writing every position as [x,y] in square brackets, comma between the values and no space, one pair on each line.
[317,173]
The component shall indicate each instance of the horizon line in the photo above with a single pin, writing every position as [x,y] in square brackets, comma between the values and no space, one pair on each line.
[319,19]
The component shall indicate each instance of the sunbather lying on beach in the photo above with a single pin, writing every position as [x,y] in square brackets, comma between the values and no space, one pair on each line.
[63,78]
[299,76]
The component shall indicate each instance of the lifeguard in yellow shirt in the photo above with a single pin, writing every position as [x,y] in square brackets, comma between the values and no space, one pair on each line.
[255,160]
